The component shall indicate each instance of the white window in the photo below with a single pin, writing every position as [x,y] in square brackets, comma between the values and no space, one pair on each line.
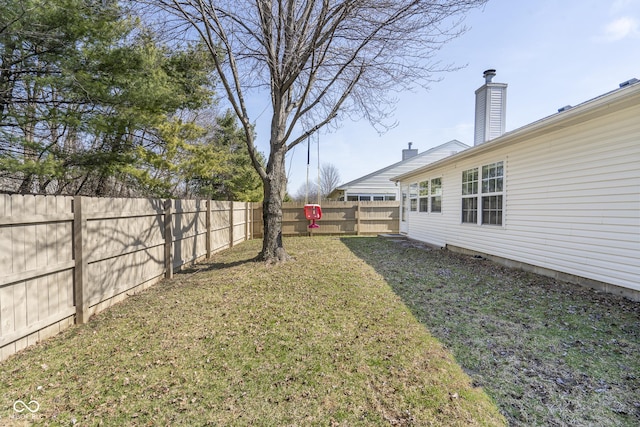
[404,204]
[435,195]
[413,197]
[492,186]
[430,195]
[423,196]
[483,204]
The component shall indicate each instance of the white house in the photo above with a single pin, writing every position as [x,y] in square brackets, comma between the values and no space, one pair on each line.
[560,196]
[377,185]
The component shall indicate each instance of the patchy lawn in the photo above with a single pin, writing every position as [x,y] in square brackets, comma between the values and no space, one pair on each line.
[320,341]
[549,353]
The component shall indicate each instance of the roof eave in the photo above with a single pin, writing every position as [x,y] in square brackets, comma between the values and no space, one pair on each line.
[617,100]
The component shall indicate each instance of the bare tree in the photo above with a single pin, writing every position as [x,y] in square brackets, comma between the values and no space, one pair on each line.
[321,61]
[329,179]
[307,192]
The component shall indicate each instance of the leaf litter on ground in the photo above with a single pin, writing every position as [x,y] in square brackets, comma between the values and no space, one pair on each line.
[323,340]
[548,352]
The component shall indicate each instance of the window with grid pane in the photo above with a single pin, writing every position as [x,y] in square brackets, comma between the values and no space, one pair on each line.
[423,196]
[436,195]
[492,210]
[483,194]
[413,197]
[469,196]
[492,185]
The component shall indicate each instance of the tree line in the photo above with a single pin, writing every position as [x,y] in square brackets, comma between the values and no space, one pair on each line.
[93,102]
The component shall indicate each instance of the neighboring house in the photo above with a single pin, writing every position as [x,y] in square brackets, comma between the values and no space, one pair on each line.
[560,196]
[377,186]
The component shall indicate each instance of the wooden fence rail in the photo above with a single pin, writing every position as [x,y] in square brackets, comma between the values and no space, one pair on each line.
[63,259]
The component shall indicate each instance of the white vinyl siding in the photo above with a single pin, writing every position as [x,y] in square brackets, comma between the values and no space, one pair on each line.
[571,201]
[481,117]
[497,112]
[490,112]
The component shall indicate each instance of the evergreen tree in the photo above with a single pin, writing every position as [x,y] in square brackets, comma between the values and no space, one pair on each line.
[220,167]
[90,101]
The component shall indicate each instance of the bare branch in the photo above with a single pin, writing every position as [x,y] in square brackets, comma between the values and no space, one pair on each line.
[322,60]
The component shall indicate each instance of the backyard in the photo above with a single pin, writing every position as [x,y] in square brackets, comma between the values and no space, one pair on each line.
[356,331]
[319,341]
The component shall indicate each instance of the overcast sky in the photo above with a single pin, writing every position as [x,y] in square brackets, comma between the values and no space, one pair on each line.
[551,53]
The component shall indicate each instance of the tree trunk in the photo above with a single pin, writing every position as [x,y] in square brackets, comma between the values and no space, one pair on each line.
[275,185]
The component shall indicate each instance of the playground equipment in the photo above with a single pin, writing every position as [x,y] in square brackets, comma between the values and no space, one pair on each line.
[312,212]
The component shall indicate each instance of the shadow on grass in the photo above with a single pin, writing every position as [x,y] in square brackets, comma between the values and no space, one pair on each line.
[548,352]
[211,264]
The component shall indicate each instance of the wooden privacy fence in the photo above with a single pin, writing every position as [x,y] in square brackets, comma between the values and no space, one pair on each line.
[63,259]
[356,218]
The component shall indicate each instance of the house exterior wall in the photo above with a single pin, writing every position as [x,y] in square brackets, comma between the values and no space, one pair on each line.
[379,182]
[571,201]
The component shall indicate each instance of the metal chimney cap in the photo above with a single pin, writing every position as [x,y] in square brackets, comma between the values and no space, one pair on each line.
[410,144]
[488,75]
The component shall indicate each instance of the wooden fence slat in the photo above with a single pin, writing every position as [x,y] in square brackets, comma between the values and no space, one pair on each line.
[231,224]
[168,240]
[208,227]
[80,270]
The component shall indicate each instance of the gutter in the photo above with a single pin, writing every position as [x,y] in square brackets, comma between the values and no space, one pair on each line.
[611,102]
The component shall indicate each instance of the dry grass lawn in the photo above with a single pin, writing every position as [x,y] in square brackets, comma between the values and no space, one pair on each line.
[322,341]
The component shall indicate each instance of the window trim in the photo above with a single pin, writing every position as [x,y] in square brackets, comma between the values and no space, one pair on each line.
[424,195]
[434,195]
[477,188]
[413,197]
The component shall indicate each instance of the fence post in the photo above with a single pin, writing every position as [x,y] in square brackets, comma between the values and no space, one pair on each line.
[231,224]
[357,218]
[253,219]
[247,215]
[208,225]
[80,268]
[168,240]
